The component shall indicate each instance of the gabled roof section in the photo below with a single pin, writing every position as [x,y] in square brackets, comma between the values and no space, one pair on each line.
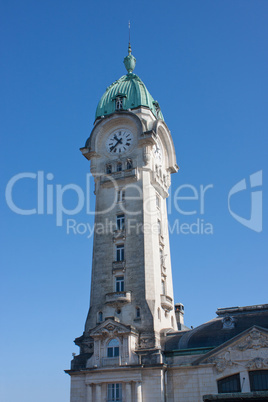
[110,327]
[249,350]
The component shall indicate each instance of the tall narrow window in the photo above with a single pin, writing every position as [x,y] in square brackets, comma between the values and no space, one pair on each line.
[120,222]
[159,226]
[119,284]
[129,164]
[229,384]
[157,201]
[100,316]
[138,312]
[119,167]
[163,287]
[258,380]
[113,348]
[114,392]
[161,256]
[108,168]
[120,252]
[119,103]
[120,195]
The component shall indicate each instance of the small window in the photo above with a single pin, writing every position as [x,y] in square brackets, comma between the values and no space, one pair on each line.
[120,252]
[161,256]
[172,321]
[114,392]
[119,284]
[229,384]
[119,103]
[108,168]
[258,380]
[119,167]
[163,287]
[129,164]
[138,312]
[157,201]
[120,195]
[159,226]
[100,316]
[113,348]
[120,222]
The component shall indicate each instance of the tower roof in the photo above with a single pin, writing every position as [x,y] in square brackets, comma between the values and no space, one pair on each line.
[131,90]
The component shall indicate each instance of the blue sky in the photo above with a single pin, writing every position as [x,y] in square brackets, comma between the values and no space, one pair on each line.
[206,64]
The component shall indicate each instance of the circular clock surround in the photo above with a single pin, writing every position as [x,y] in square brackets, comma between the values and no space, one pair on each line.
[119,141]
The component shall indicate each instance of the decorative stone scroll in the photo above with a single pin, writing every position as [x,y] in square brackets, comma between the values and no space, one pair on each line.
[228,322]
[221,363]
[257,363]
[254,340]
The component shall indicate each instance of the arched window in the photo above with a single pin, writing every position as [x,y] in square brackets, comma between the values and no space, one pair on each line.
[100,316]
[119,103]
[138,312]
[119,167]
[108,168]
[113,348]
[129,164]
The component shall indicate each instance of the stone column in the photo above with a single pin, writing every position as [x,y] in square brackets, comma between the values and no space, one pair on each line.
[128,391]
[98,392]
[89,392]
[138,392]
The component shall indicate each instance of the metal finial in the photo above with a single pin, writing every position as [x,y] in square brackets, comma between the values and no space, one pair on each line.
[129,45]
[129,60]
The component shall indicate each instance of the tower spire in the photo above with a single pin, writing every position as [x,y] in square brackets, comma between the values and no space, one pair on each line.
[129,61]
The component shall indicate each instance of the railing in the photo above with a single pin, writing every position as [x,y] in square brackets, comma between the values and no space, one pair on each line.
[111,361]
[115,297]
[119,234]
[167,302]
[119,265]
[129,173]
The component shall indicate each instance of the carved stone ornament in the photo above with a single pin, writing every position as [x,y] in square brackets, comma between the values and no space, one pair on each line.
[257,363]
[221,363]
[88,346]
[109,329]
[228,322]
[255,340]
[146,155]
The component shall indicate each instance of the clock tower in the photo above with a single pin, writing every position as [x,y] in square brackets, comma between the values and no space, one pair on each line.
[131,156]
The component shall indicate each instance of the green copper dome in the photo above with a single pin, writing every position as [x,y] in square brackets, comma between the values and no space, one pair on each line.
[129,92]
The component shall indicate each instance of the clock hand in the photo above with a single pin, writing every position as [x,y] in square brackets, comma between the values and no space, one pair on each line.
[119,141]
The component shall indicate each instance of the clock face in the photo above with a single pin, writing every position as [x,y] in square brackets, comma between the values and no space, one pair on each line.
[157,152]
[119,141]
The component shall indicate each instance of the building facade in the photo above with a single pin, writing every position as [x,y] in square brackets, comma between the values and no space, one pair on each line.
[135,346]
